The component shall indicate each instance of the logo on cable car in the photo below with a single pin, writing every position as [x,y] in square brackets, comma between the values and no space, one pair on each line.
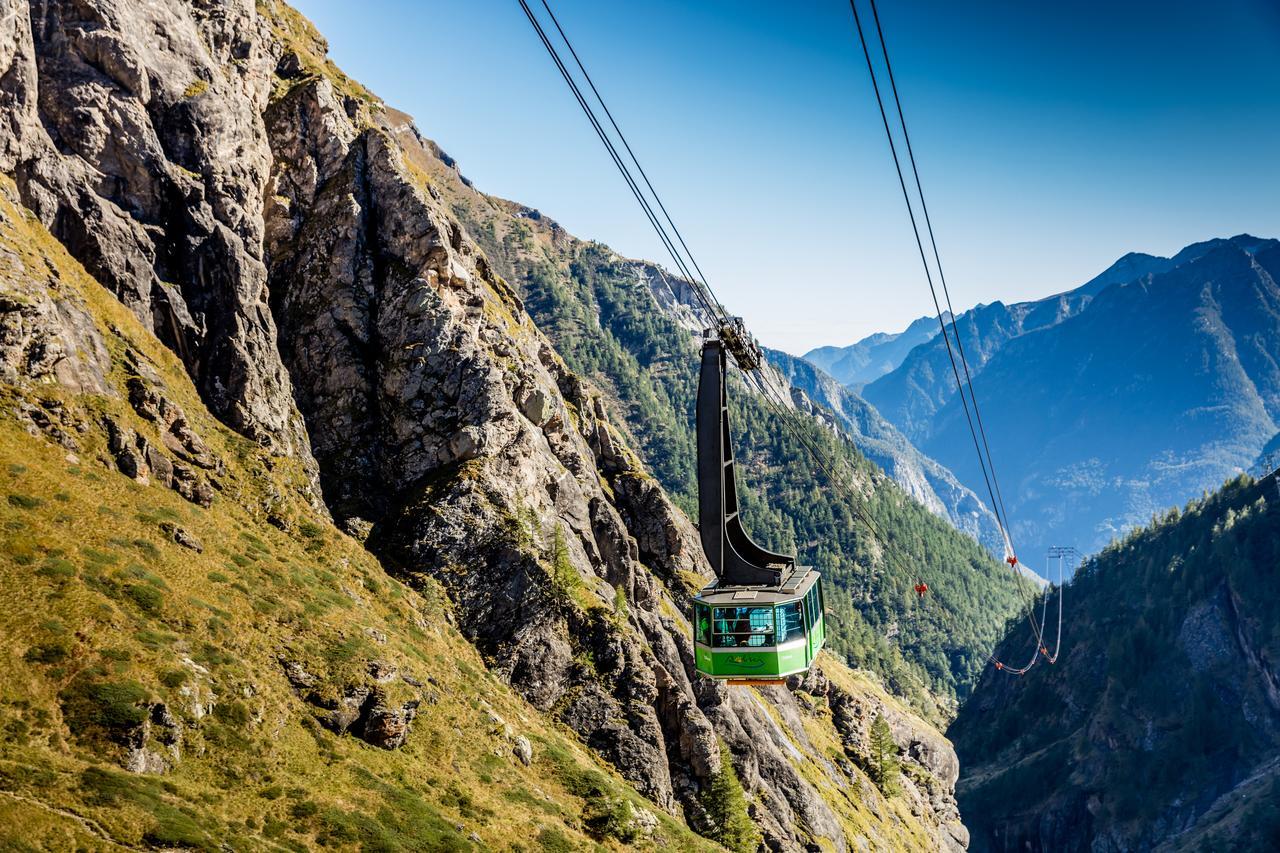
[747,661]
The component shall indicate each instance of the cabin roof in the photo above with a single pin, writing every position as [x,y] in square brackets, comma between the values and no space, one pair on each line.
[795,586]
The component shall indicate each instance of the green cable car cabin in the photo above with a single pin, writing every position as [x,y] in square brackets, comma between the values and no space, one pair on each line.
[762,618]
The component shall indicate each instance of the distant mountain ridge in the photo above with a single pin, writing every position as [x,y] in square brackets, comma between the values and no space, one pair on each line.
[1104,405]
[874,355]
[923,382]
[1162,388]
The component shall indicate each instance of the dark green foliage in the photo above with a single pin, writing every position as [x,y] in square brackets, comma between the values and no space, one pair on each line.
[110,707]
[147,597]
[100,558]
[1164,628]
[175,825]
[884,765]
[174,678]
[605,812]
[176,828]
[726,807]
[56,567]
[564,576]
[25,502]
[234,713]
[404,823]
[610,818]
[303,810]
[50,651]
[554,841]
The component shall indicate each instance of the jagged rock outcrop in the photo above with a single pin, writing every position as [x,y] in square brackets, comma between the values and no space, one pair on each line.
[488,453]
[43,339]
[135,133]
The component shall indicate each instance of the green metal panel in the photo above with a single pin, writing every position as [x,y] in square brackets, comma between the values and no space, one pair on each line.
[746,624]
[769,662]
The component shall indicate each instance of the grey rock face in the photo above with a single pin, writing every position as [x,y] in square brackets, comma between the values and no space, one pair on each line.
[44,338]
[155,746]
[134,132]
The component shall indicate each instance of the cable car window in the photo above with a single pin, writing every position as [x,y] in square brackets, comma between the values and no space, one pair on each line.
[702,619]
[790,622]
[822,602]
[736,627]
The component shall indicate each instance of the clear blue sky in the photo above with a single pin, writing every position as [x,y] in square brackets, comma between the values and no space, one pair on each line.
[1052,137]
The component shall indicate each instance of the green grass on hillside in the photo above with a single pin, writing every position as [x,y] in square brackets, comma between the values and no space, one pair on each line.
[106,617]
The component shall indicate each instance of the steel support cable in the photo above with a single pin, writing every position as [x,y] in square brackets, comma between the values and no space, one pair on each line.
[644,175]
[1057,645]
[617,159]
[708,299]
[946,338]
[937,258]
[982,461]
[700,285]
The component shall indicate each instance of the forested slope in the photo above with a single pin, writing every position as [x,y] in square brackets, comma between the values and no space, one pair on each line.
[1159,727]
[923,478]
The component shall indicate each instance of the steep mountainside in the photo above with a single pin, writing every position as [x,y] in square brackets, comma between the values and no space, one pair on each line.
[876,439]
[1162,388]
[873,356]
[1159,727]
[1269,459]
[631,327]
[211,663]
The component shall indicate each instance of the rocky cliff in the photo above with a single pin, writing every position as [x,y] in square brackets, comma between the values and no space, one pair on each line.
[333,330]
[1159,726]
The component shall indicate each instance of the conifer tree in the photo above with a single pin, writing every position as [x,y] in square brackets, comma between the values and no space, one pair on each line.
[884,757]
[726,806]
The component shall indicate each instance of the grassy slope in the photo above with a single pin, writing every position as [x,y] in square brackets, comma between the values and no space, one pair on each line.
[103,613]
